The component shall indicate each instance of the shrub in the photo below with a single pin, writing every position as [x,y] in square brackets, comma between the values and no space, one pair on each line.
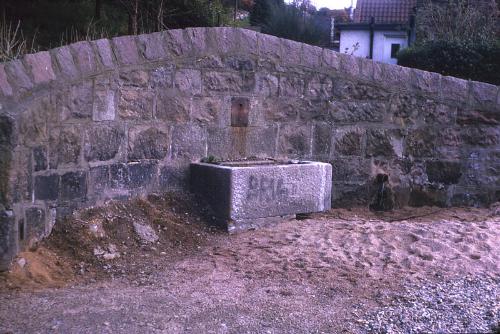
[474,61]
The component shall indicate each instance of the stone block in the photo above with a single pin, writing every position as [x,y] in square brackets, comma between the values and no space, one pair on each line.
[65,144]
[267,85]
[282,110]
[322,140]
[350,170]
[134,78]
[66,63]
[35,224]
[73,186]
[348,142]
[151,46]
[188,81]
[311,56]
[5,87]
[478,117]
[484,95]
[135,104]
[294,141]
[228,82]
[18,181]
[142,174]
[351,90]
[238,63]
[353,112]
[161,77]
[454,90]
[189,142]
[103,108]
[33,121]
[331,60]
[173,108]
[126,50]
[47,187]
[384,143]
[105,53]
[320,87]
[427,82]
[102,143]
[428,196]
[18,76]
[40,158]
[77,102]
[175,43]
[269,48]
[174,177]
[366,69]
[40,64]
[148,143]
[350,195]
[118,176]
[98,180]
[446,172]
[221,40]
[8,238]
[238,194]
[293,52]
[197,40]
[292,85]
[247,42]
[85,57]
[209,110]
[349,65]
[480,136]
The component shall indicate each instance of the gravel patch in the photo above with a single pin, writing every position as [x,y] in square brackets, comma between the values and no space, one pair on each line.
[463,305]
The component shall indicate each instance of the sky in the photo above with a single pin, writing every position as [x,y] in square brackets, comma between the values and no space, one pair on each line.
[332,4]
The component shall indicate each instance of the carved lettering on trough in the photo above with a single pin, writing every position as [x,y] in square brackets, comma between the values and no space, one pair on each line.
[265,189]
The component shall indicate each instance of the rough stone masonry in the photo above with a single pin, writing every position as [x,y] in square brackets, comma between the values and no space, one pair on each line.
[117,118]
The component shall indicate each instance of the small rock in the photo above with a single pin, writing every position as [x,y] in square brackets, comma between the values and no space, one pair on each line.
[145,232]
[111,256]
[21,262]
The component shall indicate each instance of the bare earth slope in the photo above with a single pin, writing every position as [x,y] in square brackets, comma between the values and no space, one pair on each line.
[350,271]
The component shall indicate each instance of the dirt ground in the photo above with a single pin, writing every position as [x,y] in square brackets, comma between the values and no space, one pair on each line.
[321,273]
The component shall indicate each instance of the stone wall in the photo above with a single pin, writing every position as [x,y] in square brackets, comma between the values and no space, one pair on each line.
[117,118]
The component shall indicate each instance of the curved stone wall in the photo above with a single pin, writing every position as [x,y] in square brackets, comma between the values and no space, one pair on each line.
[117,118]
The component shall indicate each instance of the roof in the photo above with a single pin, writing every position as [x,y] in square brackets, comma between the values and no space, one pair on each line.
[384,11]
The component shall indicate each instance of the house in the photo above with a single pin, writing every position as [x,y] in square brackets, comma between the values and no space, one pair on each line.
[380,28]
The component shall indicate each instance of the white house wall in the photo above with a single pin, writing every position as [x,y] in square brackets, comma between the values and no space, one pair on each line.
[349,38]
[382,41]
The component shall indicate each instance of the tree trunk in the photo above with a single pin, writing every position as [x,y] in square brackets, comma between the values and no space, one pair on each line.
[133,18]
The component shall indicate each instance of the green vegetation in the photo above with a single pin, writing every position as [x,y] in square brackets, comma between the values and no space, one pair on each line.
[459,39]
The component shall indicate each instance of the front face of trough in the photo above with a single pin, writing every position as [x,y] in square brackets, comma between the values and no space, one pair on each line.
[248,196]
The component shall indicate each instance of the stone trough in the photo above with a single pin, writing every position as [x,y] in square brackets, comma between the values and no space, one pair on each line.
[250,194]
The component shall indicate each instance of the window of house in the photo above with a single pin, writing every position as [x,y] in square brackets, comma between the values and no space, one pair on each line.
[394,50]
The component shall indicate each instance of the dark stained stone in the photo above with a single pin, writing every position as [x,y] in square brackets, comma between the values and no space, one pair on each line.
[141,174]
[173,177]
[380,143]
[348,143]
[424,196]
[148,144]
[65,144]
[35,223]
[73,186]
[47,187]
[322,138]
[39,158]
[102,143]
[98,179]
[447,172]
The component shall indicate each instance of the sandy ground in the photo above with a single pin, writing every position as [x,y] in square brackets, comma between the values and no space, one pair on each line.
[326,273]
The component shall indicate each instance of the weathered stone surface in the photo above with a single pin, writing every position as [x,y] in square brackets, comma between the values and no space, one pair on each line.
[188,80]
[66,146]
[134,78]
[66,63]
[197,40]
[118,176]
[294,141]
[263,191]
[19,186]
[8,238]
[454,90]
[351,112]
[175,43]
[209,110]
[40,158]
[350,195]
[350,170]
[5,87]
[141,174]
[349,90]
[348,142]
[484,95]
[247,42]
[228,82]
[480,136]
[73,186]
[126,50]
[151,46]
[47,187]
[331,60]
[145,233]
[103,108]
[105,53]
[161,77]
[267,85]
[98,180]
[85,57]
[135,104]
[421,143]
[77,102]
[427,196]
[311,56]
[40,65]
[102,143]
[18,76]
[292,85]
[424,81]
[173,177]
[320,86]
[173,108]
[35,224]
[349,65]
[189,142]
[385,143]
[292,51]
[322,140]
[147,143]
[478,117]
[447,172]
[269,47]
[33,121]
[284,110]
